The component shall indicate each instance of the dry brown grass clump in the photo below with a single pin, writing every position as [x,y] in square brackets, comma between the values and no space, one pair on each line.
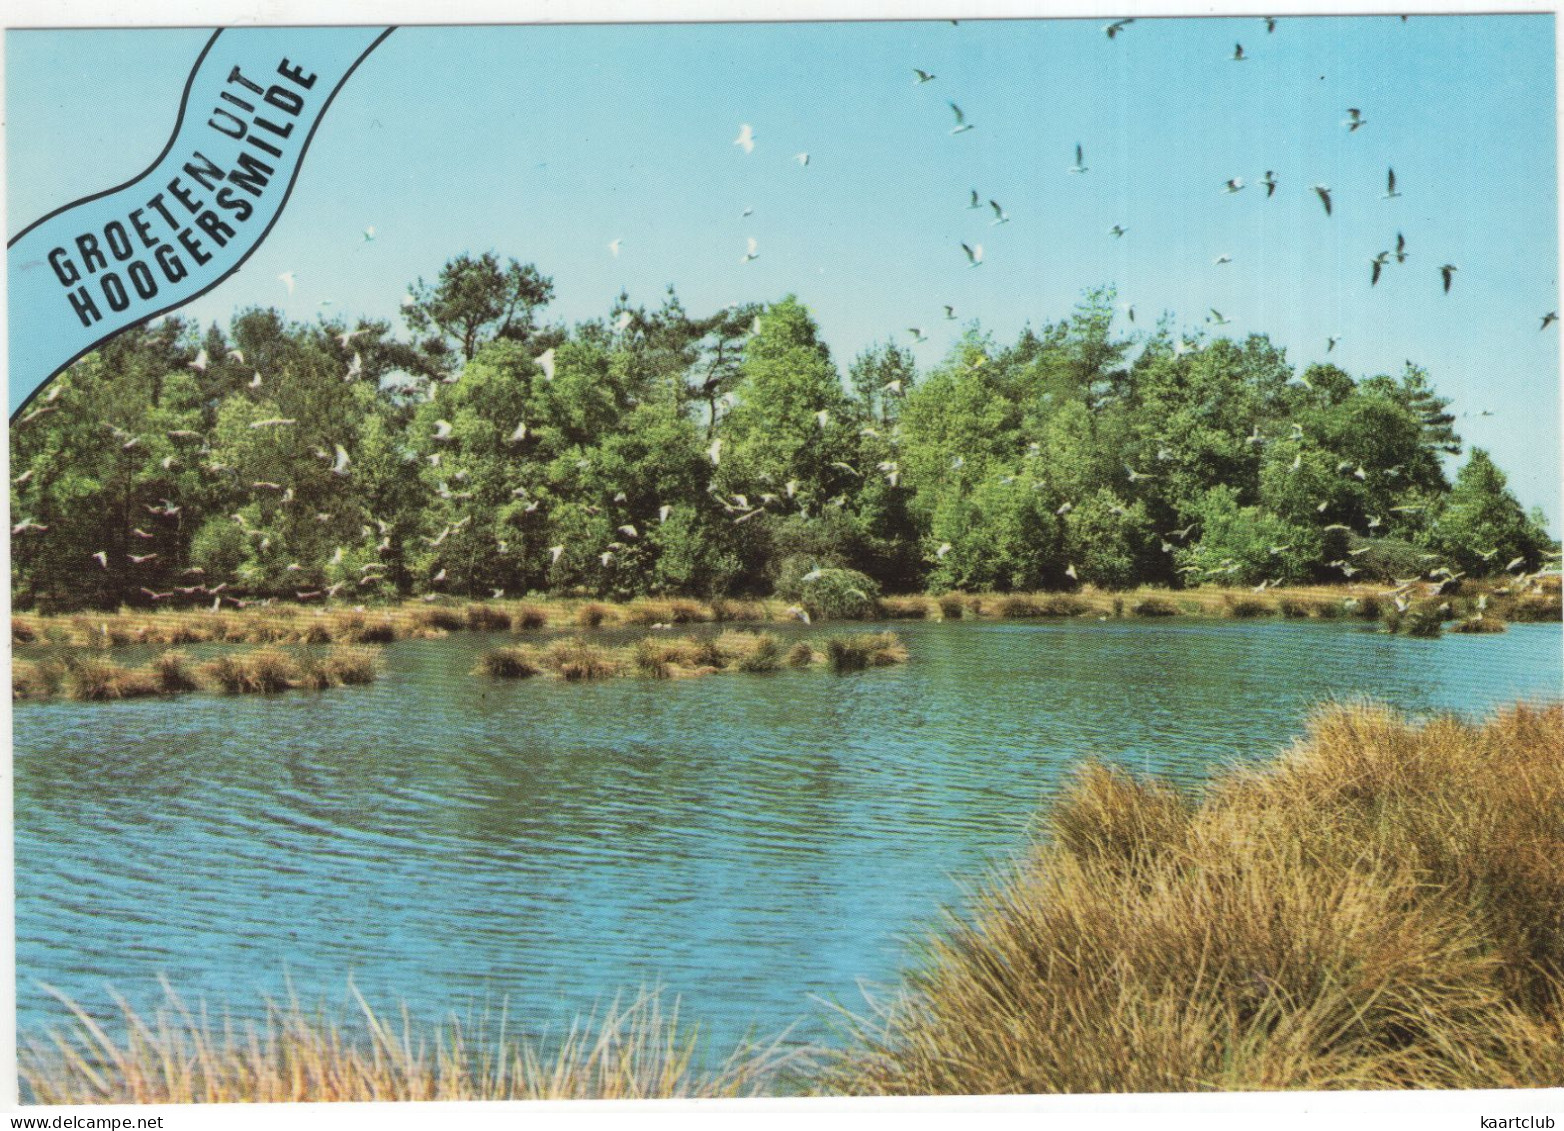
[593,615]
[1478,624]
[635,1050]
[508,663]
[487,618]
[853,652]
[1244,608]
[915,607]
[1383,908]
[575,659]
[529,617]
[1154,607]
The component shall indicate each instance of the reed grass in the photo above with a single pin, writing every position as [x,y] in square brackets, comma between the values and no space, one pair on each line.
[1155,607]
[1478,625]
[915,607]
[487,618]
[92,676]
[1382,908]
[288,624]
[575,659]
[854,652]
[683,657]
[508,663]
[1245,608]
[633,1049]
[528,617]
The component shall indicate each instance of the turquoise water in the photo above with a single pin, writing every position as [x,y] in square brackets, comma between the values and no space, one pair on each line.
[750,843]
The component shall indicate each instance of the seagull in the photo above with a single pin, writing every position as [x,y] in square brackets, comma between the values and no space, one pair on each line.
[1548,319]
[1234,184]
[555,552]
[1117,230]
[822,418]
[442,429]
[1270,24]
[1448,272]
[1000,217]
[922,76]
[1401,248]
[622,323]
[1269,181]
[797,613]
[976,201]
[287,279]
[519,434]
[200,362]
[1390,187]
[746,138]
[1216,318]
[715,451]
[341,466]
[751,253]
[1324,194]
[950,315]
[962,125]
[663,512]
[1070,573]
[1378,264]
[613,247]
[1115,27]
[369,234]
[355,368]
[1080,163]
[917,336]
[974,254]
[945,548]
[1238,53]
[1221,259]
[801,158]
[545,361]
[1355,120]
[102,557]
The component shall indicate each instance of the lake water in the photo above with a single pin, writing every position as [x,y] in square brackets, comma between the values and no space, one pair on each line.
[748,842]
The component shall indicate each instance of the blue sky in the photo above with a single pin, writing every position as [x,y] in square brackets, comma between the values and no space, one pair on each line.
[546,143]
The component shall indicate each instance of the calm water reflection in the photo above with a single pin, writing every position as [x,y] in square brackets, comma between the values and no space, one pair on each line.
[747,841]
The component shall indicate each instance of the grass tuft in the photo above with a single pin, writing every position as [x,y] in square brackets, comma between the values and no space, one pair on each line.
[508,663]
[631,1050]
[1379,909]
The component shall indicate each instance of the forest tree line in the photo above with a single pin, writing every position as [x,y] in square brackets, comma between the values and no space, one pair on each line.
[485,451]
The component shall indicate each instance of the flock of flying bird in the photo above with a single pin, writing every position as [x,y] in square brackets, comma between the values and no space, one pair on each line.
[739,506]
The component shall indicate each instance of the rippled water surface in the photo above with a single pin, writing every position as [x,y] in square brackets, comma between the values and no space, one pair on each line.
[746,841]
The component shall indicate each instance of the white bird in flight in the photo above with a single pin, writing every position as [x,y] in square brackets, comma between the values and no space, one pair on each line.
[613,247]
[1080,161]
[922,76]
[287,279]
[962,125]
[974,254]
[545,362]
[801,158]
[746,138]
[752,252]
